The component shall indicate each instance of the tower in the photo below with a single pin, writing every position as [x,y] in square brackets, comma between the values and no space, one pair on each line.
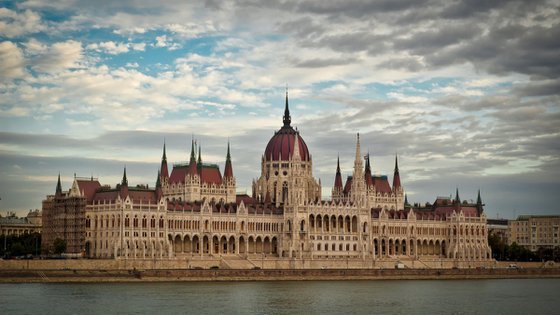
[163,170]
[337,194]
[228,179]
[358,191]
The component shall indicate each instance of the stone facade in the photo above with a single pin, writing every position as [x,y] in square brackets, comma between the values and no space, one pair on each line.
[535,231]
[12,225]
[194,214]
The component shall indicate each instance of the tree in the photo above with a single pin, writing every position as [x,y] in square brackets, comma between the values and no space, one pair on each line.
[59,246]
[497,245]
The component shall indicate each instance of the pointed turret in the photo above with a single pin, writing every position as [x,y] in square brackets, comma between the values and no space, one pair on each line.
[406,200]
[457,199]
[58,187]
[479,204]
[228,171]
[287,118]
[367,173]
[396,176]
[338,190]
[193,157]
[159,191]
[124,185]
[192,171]
[358,183]
[124,181]
[164,171]
[338,176]
[296,155]
[199,162]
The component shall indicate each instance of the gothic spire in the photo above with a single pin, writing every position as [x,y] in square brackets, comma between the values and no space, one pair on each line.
[338,176]
[164,172]
[396,175]
[479,204]
[478,199]
[295,154]
[199,162]
[58,186]
[228,171]
[367,174]
[338,164]
[405,200]
[193,158]
[457,200]
[124,185]
[358,151]
[124,181]
[158,180]
[287,118]
[228,155]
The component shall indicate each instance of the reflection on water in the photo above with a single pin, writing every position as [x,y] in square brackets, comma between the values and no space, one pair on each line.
[508,296]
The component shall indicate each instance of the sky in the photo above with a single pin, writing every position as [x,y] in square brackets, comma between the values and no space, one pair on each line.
[467,93]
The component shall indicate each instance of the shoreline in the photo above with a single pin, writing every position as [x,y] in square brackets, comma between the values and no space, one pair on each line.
[219,275]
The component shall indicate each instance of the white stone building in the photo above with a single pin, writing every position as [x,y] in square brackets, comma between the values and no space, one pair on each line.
[194,213]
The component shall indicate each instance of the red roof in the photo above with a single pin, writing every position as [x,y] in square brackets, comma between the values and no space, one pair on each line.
[164,171]
[106,195]
[396,180]
[88,187]
[245,198]
[338,181]
[143,196]
[228,170]
[137,196]
[381,184]
[178,174]
[448,210]
[348,185]
[210,174]
[281,146]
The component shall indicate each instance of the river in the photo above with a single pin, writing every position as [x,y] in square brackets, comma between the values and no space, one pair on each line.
[507,296]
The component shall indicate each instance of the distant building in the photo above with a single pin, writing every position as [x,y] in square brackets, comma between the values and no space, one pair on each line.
[535,231]
[498,227]
[13,225]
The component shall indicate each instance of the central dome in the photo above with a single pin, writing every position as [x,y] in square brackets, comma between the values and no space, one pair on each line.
[281,145]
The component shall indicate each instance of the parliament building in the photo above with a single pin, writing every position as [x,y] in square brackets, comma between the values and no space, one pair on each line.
[193,214]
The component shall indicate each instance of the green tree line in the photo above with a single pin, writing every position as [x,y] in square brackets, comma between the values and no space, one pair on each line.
[26,244]
[515,252]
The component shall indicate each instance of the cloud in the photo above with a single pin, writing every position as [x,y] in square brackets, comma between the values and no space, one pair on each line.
[15,24]
[465,92]
[59,57]
[12,61]
[109,47]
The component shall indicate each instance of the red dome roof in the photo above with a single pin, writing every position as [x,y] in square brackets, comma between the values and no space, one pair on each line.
[281,146]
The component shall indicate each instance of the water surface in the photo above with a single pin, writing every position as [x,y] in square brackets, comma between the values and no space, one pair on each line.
[507,296]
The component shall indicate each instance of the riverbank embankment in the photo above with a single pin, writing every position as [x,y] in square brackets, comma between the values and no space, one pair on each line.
[160,275]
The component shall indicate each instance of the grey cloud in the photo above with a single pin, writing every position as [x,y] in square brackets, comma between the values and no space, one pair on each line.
[467,8]
[322,62]
[538,88]
[408,63]
[425,42]
[503,50]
